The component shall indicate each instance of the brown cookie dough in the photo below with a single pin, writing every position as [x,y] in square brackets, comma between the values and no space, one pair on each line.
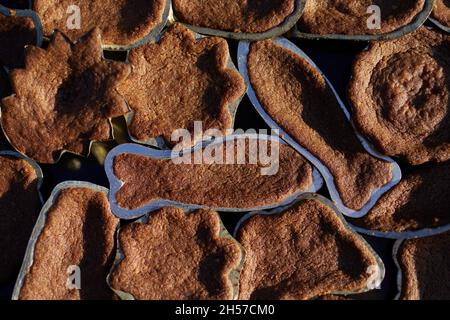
[122,22]
[303,253]
[441,12]
[19,209]
[236,16]
[400,91]
[79,231]
[420,201]
[350,17]
[241,186]
[178,81]
[15,34]
[306,108]
[176,256]
[64,98]
[425,267]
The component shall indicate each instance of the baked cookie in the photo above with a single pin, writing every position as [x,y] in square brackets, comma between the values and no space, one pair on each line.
[235,16]
[64,98]
[351,17]
[15,33]
[5,87]
[306,108]
[302,253]
[178,81]
[425,268]
[400,91]
[78,231]
[176,256]
[420,201]
[441,12]
[19,208]
[122,22]
[224,184]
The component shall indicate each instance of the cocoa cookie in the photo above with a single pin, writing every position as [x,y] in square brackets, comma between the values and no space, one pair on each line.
[400,91]
[176,256]
[235,16]
[420,201]
[178,81]
[122,22]
[350,17]
[302,253]
[227,185]
[425,268]
[441,12]
[15,33]
[19,208]
[78,231]
[306,108]
[63,99]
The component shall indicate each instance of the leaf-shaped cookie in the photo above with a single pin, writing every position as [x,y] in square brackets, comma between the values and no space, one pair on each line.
[64,98]
[122,22]
[178,81]
[176,255]
[303,252]
[16,32]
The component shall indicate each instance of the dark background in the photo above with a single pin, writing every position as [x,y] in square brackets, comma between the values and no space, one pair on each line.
[333,57]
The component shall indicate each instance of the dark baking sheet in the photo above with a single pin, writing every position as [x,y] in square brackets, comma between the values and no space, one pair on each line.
[333,57]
